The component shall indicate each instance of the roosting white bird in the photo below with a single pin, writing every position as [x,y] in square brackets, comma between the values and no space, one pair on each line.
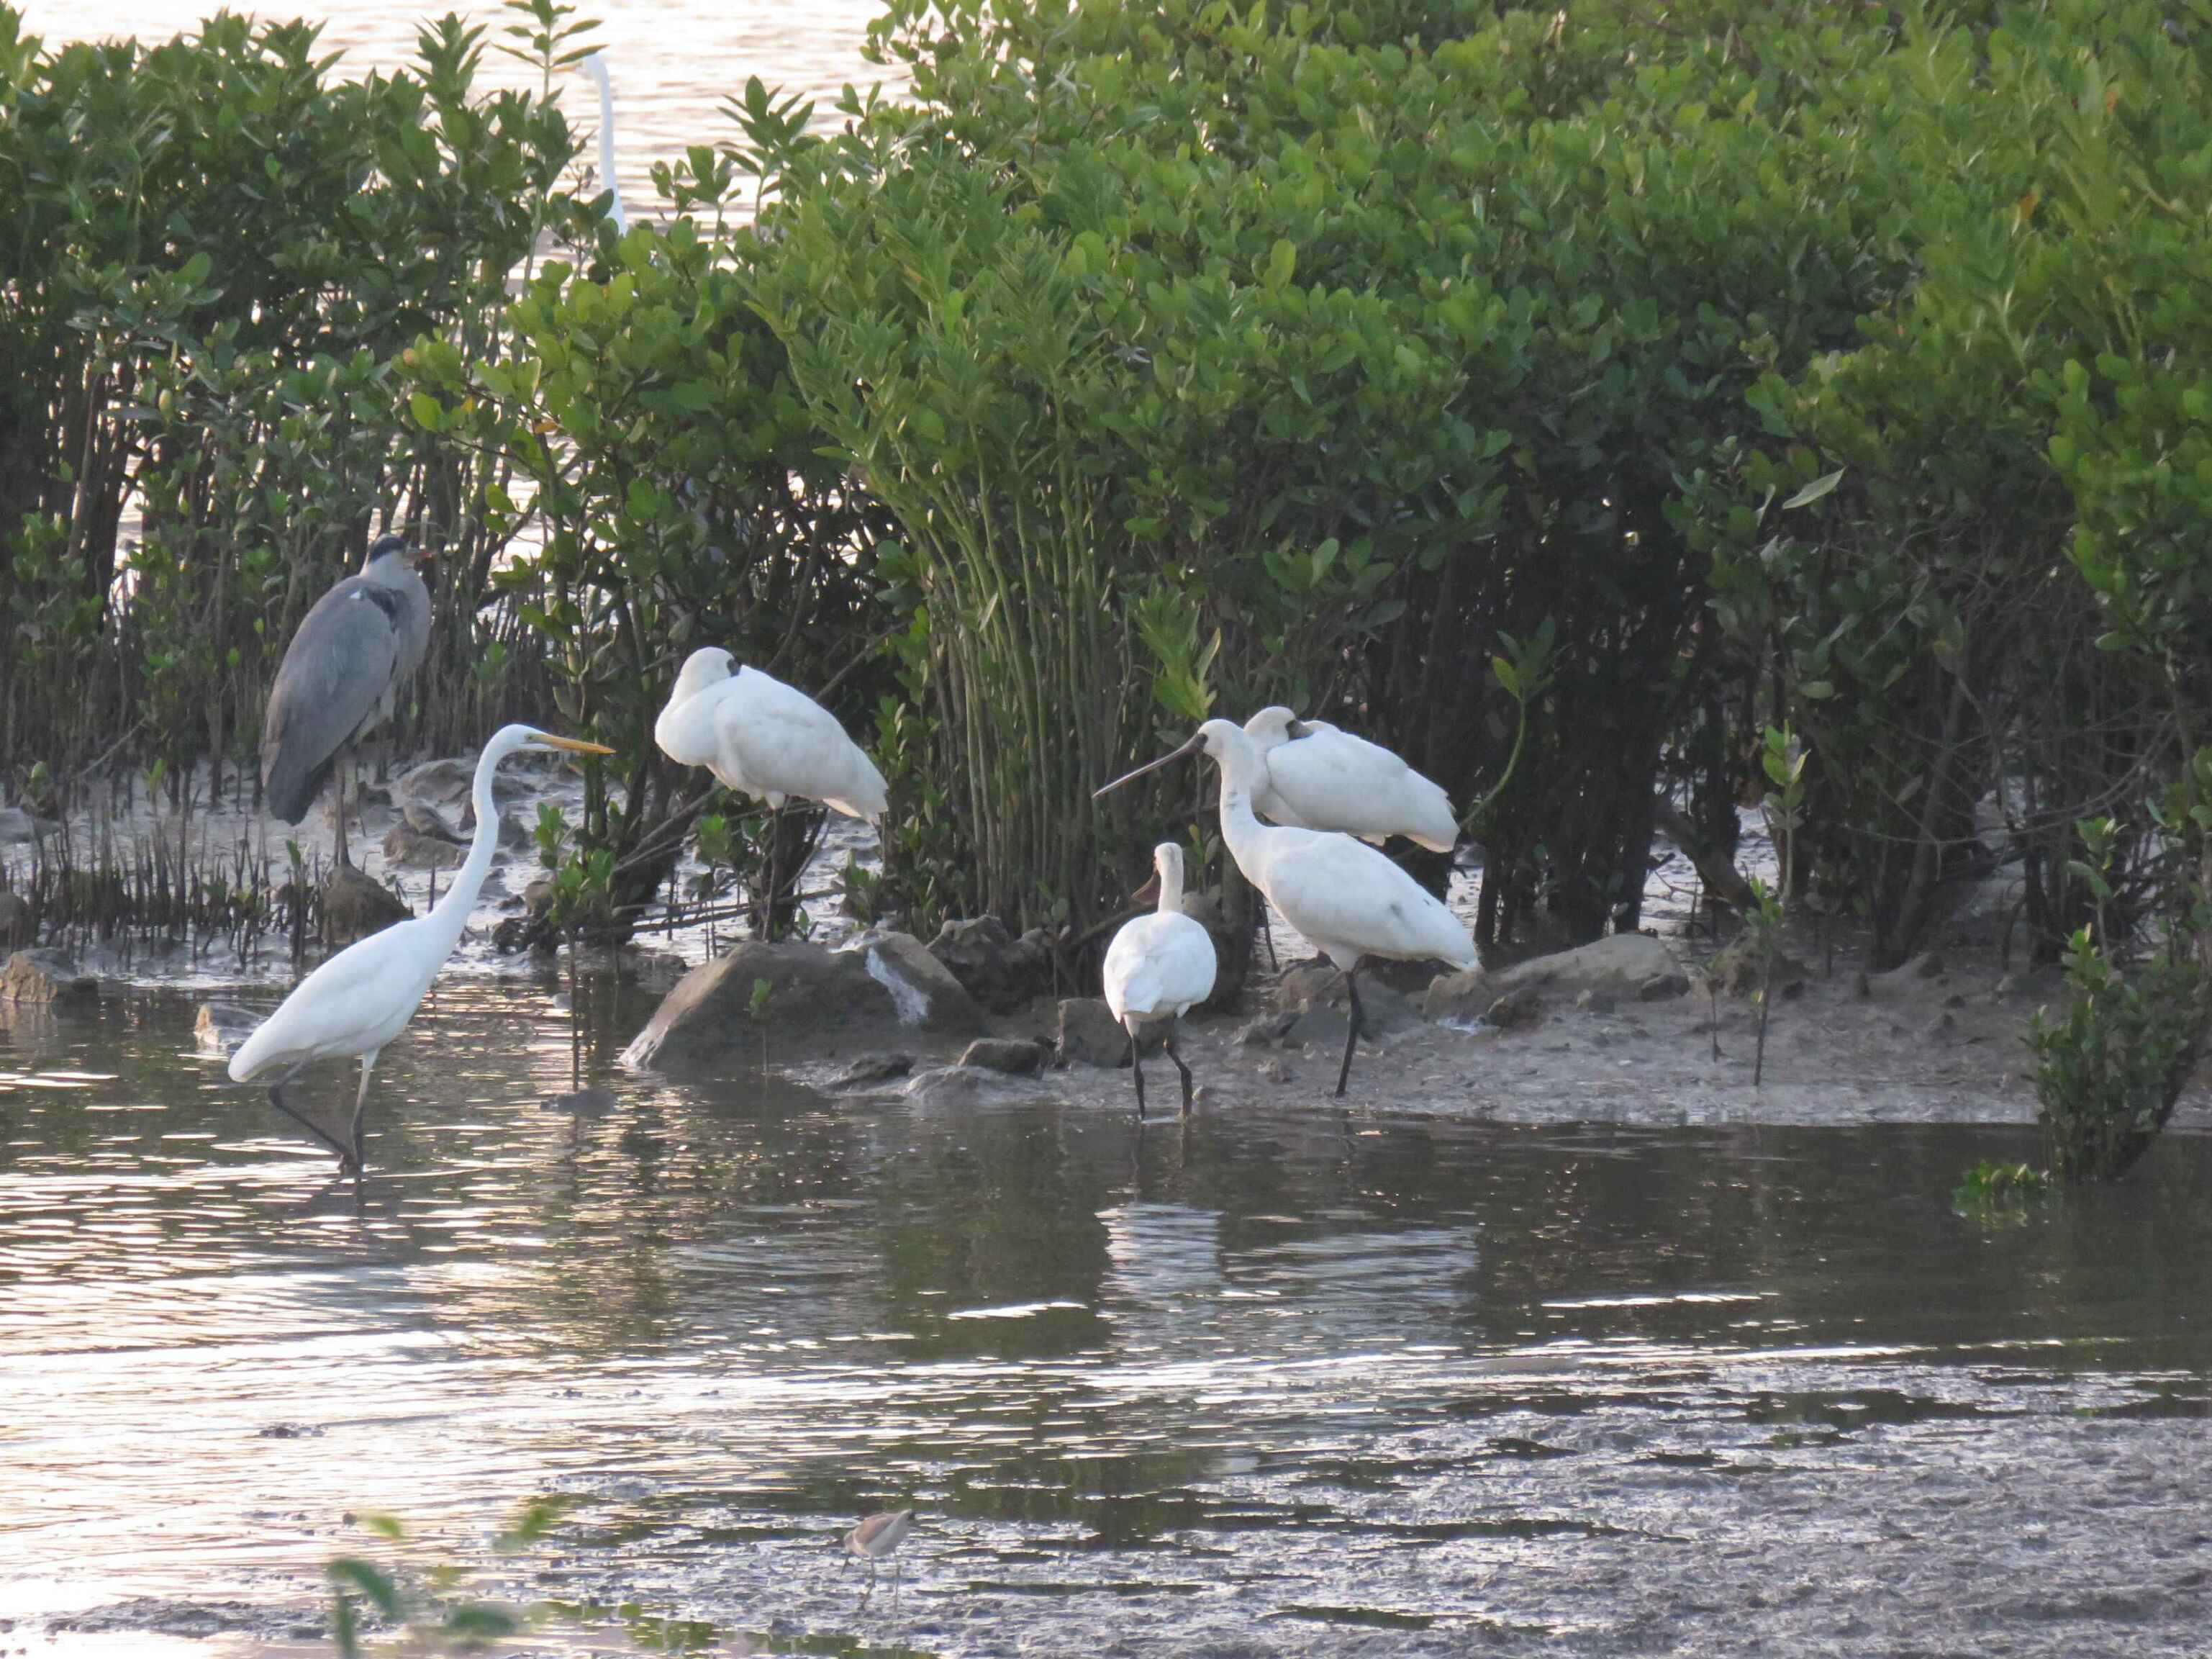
[1321,778]
[763,738]
[342,673]
[362,998]
[597,65]
[1160,967]
[1344,895]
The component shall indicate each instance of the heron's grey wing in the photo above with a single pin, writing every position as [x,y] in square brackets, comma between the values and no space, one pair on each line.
[335,680]
[414,625]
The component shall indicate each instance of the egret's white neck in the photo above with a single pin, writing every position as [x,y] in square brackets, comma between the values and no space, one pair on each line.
[1241,768]
[598,68]
[453,910]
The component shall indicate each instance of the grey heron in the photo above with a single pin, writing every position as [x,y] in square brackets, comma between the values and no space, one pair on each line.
[343,674]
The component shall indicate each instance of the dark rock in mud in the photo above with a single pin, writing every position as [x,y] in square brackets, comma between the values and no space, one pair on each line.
[1904,980]
[1518,1010]
[15,919]
[1615,967]
[1316,993]
[795,997]
[1268,1029]
[1739,970]
[1090,1035]
[873,1068]
[445,786]
[45,975]
[1664,988]
[1014,1058]
[999,971]
[160,1616]
[411,847]
[355,906]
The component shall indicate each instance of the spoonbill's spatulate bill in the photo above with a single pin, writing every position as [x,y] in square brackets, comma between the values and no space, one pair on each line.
[1158,967]
[1320,778]
[343,674]
[1344,895]
[363,997]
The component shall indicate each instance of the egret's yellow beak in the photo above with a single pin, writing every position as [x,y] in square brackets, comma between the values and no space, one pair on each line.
[574,745]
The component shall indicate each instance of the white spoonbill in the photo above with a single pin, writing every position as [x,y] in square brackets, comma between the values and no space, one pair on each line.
[1159,966]
[763,738]
[1320,778]
[362,998]
[878,1536]
[1348,898]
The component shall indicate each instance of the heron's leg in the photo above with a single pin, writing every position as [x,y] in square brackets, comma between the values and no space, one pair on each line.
[361,1109]
[1137,1071]
[1351,1034]
[1179,1065]
[345,760]
[276,1099]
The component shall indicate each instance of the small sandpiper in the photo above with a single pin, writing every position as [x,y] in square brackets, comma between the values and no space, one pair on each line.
[876,1537]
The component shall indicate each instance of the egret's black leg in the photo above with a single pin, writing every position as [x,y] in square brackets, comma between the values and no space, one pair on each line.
[1267,933]
[276,1099]
[1352,1032]
[1137,1071]
[1180,1067]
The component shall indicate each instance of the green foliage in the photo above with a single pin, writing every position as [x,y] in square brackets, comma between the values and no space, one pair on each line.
[436,1620]
[1991,1191]
[2111,1068]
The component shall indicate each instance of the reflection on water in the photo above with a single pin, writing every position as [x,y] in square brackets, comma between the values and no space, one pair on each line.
[1279,1372]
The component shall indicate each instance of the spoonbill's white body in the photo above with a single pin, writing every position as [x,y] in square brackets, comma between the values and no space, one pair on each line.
[763,738]
[1319,778]
[362,998]
[1344,895]
[878,1536]
[1160,967]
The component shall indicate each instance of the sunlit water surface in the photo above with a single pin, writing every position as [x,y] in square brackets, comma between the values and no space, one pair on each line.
[1282,1380]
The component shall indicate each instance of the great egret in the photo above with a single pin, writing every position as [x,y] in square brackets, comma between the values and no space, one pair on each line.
[1158,966]
[878,1536]
[597,64]
[1348,898]
[342,674]
[1320,778]
[761,737]
[362,998]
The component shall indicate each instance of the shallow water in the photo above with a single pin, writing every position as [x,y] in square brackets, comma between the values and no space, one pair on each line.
[1279,1381]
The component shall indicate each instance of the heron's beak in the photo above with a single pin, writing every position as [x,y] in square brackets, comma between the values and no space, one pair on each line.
[1196,744]
[574,745]
[1298,729]
[1149,893]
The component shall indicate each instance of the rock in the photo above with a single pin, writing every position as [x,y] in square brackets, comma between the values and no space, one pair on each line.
[444,786]
[999,971]
[582,1103]
[45,975]
[1314,989]
[958,1085]
[15,919]
[1519,1009]
[1275,1072]
[411,847]
[873,1068]
[1090,1035]
[1268,1029]
[1015,1058]
[1737,970]
[794,996]
[220,1027]
[1615,967]
[1861,985]
[353,907]
[1664,988]
[1941,1028]
[925,993]
[1928,964]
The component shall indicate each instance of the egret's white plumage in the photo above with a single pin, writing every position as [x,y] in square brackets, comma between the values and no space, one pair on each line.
[759,736]
[1160,967]
[362,998]
[597,64]
[1344,896]
[1320,778]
